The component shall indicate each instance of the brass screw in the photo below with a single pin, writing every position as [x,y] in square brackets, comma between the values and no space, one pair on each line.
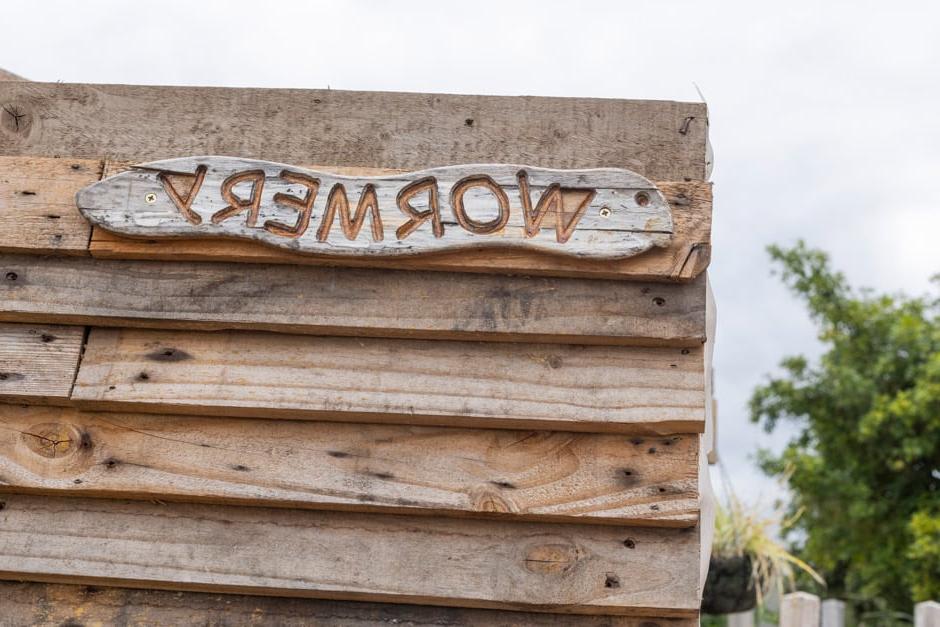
[605,212]
[150,198]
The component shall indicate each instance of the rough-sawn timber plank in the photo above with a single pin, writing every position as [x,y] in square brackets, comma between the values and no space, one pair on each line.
[61,605]
[49,222]
[686,257]
[660,140]
[347,301]
[38,362]
[613,389]
[566,477]
[37,205]
[586,569]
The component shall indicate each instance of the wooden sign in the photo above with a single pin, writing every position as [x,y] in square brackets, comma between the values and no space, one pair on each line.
[600,213]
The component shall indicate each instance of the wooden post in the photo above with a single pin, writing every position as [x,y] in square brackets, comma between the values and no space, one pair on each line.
[833,613]
[741,619]
[799,609]
[927,614]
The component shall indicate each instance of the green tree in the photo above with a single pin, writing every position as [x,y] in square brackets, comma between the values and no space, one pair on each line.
[864,467]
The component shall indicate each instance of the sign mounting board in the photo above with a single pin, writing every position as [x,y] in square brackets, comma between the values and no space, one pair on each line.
[599,213]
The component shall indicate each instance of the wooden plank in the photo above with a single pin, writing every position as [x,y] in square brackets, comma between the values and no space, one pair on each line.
[38,362]
[37,205]
[685,258]
[660,140]
[565,477]
[597,213]
[6,75]
[345,301]
[466,384]
[587,569]
[57,605]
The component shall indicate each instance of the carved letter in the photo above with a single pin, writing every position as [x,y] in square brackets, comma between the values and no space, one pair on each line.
[337,201]
[551,199]
[184,204]
[416,218]
[480,228]
[235,204]
[303,206]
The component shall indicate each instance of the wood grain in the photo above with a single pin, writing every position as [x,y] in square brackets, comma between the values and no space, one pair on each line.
[58,605]
[597,213]
[524,386]
[660,140]
[346,301]
[38,362]
[581,569]
[37,205]
[523,474]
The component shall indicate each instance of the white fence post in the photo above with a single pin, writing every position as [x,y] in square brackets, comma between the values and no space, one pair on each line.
[741,619]
[799,609]
[927,614]
[833,613]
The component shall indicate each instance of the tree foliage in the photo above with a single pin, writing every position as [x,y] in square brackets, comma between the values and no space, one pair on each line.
[864,467]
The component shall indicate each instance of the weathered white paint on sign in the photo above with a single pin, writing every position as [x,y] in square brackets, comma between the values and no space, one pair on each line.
[599,213]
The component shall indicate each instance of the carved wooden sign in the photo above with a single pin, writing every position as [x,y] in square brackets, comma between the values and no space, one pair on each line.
[599,213]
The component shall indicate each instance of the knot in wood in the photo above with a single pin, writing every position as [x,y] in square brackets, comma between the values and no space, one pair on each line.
[553,558]
[490,501]
[52,440]
[15,118]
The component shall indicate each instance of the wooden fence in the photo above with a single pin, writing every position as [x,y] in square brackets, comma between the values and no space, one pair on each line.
[801,609]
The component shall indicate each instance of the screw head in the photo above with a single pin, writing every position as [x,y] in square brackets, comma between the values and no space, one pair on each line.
[604,212]
[150,198]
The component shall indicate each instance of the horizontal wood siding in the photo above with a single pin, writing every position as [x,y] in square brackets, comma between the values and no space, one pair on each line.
[38,362]
[459,472]
[483,437]
[528,386]
[585,569]
[661,140]
[57,605]
[37,204]
[345,301]
[39,215]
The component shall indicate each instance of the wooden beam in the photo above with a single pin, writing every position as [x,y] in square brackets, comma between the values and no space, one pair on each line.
[56,605]
[348,301]
[580,569]
[38,362]
[663,141]
[46,220]
[564,477]
[530,386]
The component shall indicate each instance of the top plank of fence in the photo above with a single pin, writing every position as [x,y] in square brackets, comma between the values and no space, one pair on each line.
[661,140]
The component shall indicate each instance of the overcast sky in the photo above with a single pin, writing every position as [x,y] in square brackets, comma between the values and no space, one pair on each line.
[825,116]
